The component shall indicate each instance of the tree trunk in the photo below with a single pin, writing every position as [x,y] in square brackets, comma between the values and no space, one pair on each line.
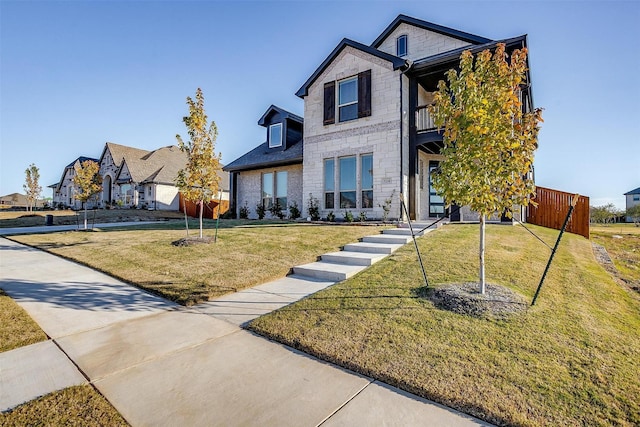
[482,229]
[85,216]
[201,210]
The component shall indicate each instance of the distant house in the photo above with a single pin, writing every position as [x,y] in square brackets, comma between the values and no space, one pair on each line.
[14,200]
[65,190]
[132,177]
[367,136]
[633,199]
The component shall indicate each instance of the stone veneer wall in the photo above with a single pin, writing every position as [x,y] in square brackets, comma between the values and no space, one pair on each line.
[250,188]
[421,43]
[378,134]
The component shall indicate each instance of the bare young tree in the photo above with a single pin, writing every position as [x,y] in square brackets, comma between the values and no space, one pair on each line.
[32,186]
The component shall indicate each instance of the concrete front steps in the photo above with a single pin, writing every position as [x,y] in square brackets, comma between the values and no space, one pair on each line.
[355,257]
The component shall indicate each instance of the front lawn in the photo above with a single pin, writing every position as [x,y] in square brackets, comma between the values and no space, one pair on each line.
[16,327]
[572,359]
[247,254]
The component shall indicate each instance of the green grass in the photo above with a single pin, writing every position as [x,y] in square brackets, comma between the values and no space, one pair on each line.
[622,242]
[246,254]
[17,329]
[73,406]
[572,359]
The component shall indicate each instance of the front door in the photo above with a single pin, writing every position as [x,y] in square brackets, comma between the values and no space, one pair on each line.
[436,202]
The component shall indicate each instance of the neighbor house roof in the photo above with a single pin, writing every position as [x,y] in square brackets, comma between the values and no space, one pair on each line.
[397,62]
[262,157]
[14,199]
[636,191]
[460,35]
[81,159]
[120,152]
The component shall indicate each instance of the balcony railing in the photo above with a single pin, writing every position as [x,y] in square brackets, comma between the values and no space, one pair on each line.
[424,121]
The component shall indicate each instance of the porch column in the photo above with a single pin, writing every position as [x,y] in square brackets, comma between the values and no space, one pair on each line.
[413,152]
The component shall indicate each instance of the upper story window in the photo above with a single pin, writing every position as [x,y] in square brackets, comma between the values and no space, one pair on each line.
[353,98]
[401,46]
[348,99]
[275,135]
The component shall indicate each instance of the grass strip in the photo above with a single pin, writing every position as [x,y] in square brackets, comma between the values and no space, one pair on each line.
[17,329]
[73,406]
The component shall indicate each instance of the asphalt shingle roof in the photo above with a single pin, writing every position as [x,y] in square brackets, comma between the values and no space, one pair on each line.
[262,156]
[636,191]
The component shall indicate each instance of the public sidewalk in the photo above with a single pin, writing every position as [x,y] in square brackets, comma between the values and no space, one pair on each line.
[162,364]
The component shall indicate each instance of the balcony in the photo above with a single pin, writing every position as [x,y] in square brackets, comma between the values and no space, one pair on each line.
[424,121]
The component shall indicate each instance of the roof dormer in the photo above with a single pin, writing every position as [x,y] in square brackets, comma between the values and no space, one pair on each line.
[283,128]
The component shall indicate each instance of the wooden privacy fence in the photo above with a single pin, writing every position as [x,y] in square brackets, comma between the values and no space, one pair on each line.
[552,209]
[211,209]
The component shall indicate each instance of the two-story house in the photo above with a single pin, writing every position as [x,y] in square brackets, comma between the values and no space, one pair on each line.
[367,134]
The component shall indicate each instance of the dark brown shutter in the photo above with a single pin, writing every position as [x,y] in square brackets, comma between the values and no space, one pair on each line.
[329,103]
[364,94]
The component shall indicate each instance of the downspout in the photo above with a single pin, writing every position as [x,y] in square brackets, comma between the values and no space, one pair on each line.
[407,67]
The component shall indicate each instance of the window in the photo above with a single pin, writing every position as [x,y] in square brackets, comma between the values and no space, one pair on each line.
[401,46]
[149,191]
[636,197]
[347,182]
[274,184]
[329,183]
[366,171]
[281,189]
[267,189]
[354,98]
[348,99]
[275,135]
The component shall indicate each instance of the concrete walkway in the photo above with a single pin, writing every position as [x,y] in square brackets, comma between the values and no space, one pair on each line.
[54,228]
[162,364]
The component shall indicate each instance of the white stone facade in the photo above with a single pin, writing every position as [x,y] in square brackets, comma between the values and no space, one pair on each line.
[421,43]
[378,134]
[250,188]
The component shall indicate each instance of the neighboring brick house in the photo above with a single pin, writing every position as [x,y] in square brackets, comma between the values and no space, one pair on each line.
[632,199]
[367,133]
[65,190]
[145,179]
[132,177]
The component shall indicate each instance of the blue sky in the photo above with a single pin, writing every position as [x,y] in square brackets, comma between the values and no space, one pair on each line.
[75,74]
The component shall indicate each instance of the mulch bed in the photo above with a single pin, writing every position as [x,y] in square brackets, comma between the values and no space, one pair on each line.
[190,241]
[497,302]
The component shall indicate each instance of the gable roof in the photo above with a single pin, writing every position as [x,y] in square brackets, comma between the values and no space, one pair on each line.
[81,160]
[283,113]
[262,157]
[460,35]
[636,191]
[158,166]
[119,152]
[397,62]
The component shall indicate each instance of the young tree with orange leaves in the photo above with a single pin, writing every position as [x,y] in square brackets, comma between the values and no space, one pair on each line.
[88,183]
[489,142]
[199,180]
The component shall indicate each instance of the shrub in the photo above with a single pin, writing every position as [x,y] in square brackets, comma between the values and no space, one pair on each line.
[314,208]
[331,217]
[386,206]
[294,212]
[276,210]
[363,216]
[244,211]
[260,210]
[348,216]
